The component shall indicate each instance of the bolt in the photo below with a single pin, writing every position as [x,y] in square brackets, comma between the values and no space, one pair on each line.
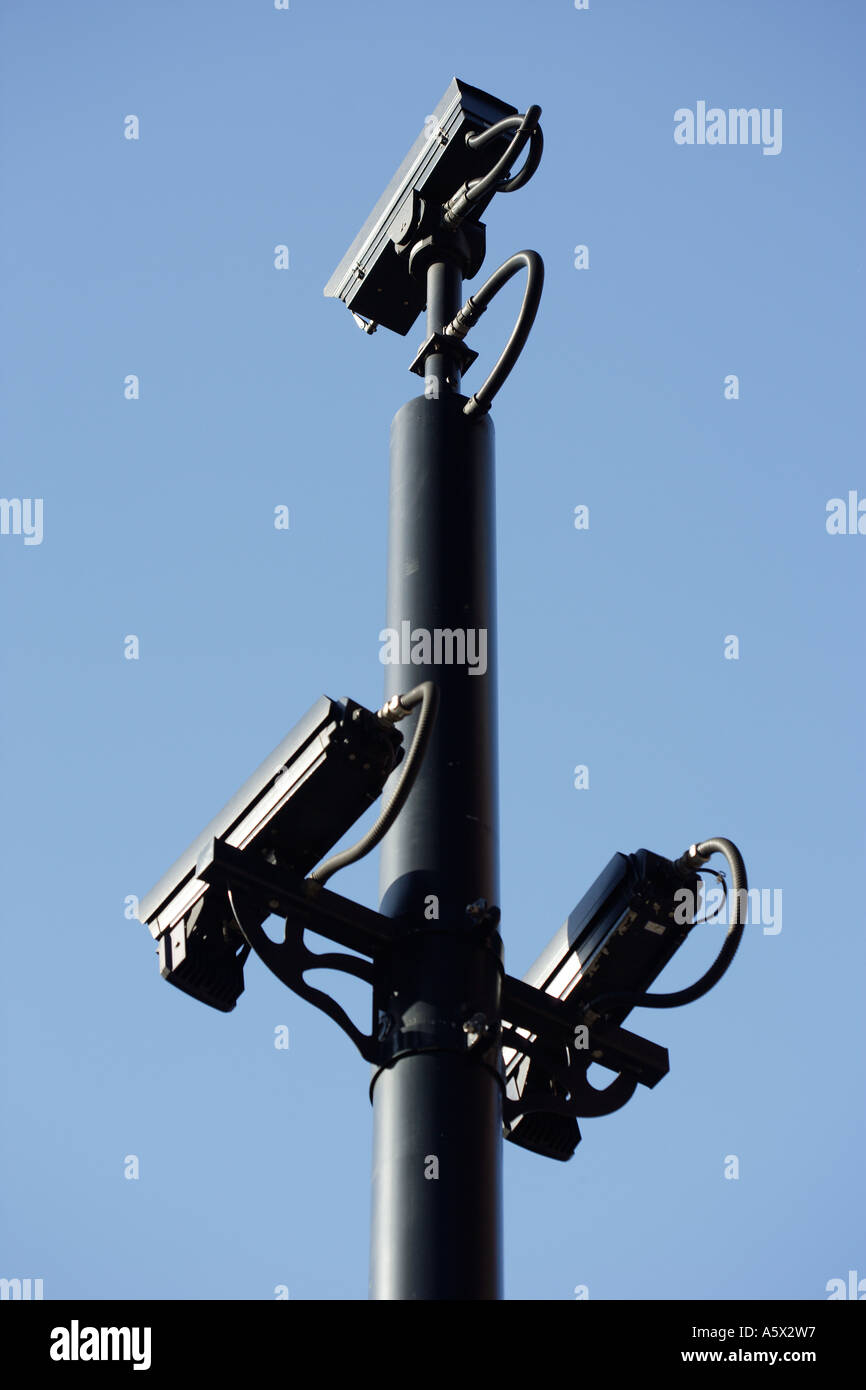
[482,915]
[476,1028]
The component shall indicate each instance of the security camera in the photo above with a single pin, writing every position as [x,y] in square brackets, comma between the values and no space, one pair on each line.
[375,277]
[622,933]
[615,942]
[296,805]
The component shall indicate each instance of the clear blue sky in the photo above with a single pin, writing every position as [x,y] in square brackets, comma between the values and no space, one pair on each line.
[154,257]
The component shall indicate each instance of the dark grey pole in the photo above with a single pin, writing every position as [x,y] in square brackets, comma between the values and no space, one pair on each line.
[437,1100]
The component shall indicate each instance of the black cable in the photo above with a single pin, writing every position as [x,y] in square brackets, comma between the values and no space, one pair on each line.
[533,159]
[475,306]
[702,921]
[524,125]
[427,696]
[527,129]
[690,861]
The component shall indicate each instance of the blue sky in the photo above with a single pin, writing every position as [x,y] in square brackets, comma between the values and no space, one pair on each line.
[155,257]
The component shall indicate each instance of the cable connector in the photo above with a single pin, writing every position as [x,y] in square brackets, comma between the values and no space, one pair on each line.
[692,861]
[393,710]
[464,319]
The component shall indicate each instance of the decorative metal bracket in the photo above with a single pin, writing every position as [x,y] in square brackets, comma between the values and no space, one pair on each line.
[290,958]
[578,1099]
[306,905]
[551,1046]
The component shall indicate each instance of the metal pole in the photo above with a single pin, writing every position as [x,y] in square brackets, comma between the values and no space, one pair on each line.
[437,1098]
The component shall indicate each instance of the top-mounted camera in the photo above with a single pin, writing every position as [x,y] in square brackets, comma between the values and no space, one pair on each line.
[441,179]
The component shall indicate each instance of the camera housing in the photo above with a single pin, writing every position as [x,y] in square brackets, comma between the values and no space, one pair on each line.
[374,277]
[305,795]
